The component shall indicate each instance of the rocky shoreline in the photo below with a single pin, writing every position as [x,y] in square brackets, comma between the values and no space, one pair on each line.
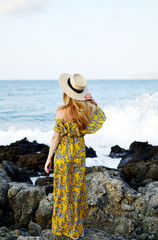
[123,202]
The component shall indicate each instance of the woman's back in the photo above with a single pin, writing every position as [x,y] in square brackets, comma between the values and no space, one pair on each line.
[68,114]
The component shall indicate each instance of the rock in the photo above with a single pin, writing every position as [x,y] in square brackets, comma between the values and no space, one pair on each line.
[31,238]
[30,156]
[16,233]
[90,234]
[145,236]
[140,164]
[24,201]
[150,225]
[4,234]
[95,234]
[150,194]
[117,152]
[113,172]
[15,173]
[114,206]
[115,210]
[34,163]
[27,147]
[44,181]
[125,226]
[34,229]
[90,152]
[44,212]
[47,234]
[4,186]
[126,207]
[47,182]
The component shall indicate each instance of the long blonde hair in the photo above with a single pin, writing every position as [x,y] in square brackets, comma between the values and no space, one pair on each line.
[80,111]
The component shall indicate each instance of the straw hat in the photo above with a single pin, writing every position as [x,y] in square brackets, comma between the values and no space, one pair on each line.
[75,86]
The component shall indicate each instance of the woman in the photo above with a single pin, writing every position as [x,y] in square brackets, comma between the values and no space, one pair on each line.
[80,115]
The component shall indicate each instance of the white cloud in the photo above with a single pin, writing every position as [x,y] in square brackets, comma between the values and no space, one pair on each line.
[21,6]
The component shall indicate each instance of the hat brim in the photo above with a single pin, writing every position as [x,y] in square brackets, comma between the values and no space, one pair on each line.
[71,93]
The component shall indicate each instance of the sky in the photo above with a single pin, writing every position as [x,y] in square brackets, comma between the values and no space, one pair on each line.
[100,39]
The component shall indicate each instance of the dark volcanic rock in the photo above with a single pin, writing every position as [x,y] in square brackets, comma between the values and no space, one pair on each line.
[117,152]
[4,186]
[140,164]
[47,182]
[44,181]
[31,156]
[16,174]
[90,152]
[27,147]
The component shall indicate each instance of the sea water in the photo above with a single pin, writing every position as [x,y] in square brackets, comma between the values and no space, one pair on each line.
[28,109]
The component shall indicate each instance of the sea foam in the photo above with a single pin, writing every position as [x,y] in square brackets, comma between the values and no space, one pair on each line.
[130,120]
[133,120]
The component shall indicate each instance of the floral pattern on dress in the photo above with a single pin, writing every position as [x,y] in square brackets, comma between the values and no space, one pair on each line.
[70,198]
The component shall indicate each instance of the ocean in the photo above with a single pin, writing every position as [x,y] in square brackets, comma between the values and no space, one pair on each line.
[28,109]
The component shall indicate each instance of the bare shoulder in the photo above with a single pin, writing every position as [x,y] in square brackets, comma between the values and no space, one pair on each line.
[93,108]
[60,114]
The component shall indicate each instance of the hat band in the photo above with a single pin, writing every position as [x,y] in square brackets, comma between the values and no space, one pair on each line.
[74,89]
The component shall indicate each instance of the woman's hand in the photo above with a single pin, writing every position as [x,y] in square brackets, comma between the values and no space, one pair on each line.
[47,166]
[89,97]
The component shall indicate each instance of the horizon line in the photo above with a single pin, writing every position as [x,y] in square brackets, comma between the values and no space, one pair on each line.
[101,79]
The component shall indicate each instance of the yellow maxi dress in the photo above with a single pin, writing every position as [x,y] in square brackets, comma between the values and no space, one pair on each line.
[70,205]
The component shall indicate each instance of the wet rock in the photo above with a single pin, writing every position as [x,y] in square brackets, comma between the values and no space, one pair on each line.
[24,201]
[90,152]
[140,164]
[117,152]
[30,156]
[34,163]
[27,147]
[44,181]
